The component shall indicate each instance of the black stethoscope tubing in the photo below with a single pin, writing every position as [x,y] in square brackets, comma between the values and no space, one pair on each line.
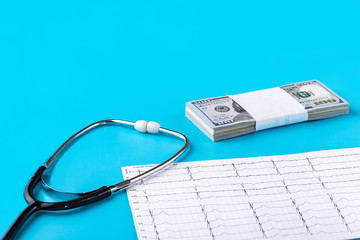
[36,205]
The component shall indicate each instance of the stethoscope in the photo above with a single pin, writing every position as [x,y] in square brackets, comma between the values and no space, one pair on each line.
[85,198]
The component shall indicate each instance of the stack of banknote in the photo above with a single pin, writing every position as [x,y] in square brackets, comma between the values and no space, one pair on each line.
[222,118]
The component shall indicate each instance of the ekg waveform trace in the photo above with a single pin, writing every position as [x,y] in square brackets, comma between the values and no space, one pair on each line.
[301,196]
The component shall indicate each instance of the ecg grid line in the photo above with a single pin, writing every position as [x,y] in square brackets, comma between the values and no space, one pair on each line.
[301,196]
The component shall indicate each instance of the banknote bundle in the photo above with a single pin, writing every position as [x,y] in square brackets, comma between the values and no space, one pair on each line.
[235,115]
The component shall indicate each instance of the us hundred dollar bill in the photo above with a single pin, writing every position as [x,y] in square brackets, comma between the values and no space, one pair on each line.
[221,117]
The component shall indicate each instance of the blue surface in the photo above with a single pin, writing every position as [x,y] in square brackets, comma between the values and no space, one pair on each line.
[66,64]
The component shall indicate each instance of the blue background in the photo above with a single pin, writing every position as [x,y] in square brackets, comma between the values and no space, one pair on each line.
[66,64]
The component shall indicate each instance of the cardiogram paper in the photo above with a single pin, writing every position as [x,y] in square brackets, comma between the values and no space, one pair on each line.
[301,196]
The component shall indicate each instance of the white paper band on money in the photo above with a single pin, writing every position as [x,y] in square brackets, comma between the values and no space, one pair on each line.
[271,107]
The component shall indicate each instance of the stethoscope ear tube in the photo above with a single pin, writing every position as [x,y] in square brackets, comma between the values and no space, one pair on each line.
[141,126]
[88,198]
[30,186]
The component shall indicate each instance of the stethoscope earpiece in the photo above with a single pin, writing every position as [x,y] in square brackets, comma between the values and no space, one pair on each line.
[147,127]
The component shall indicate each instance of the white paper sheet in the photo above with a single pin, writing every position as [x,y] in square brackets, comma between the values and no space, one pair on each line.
[301,196]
